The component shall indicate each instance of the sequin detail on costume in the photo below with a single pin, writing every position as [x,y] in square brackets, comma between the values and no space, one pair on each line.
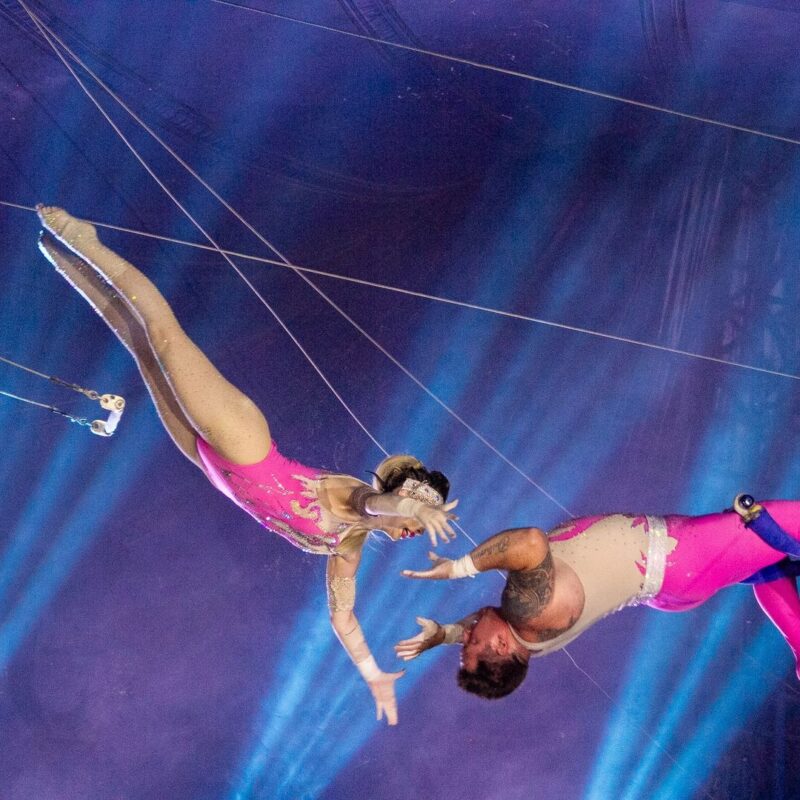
[656,560]
[341,593]
[279,493]
[422,491]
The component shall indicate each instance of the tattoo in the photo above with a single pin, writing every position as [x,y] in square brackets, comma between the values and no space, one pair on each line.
[490,549]
[545,634]
[527,593]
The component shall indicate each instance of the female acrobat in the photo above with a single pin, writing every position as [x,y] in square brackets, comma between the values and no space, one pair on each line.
[224,433]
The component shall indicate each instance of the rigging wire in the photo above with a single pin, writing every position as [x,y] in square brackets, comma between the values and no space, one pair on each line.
[633,721]
[512,73]
[42,29]
[112,403]
[285,261]
[23,367]
[90,393]
[78,420]
[441,299]
[216,247]
[47,33]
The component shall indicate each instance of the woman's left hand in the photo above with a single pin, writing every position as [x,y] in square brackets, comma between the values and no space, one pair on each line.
[382,689]
[436,520]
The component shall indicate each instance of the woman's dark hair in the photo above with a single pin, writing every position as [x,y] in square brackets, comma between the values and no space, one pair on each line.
[397,477]
[493,679]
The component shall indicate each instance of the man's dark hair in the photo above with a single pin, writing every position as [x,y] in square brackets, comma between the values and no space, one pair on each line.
[397,477]
[495,678]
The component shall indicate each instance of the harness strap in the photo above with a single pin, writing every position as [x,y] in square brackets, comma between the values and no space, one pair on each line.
[757,519]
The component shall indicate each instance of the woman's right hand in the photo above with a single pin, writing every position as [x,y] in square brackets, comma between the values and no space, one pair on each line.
[436,520]
[432,634]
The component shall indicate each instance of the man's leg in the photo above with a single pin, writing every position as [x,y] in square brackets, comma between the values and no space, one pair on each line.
[758,520]
[717,550]
[780,602]
[779,599]
[225,417]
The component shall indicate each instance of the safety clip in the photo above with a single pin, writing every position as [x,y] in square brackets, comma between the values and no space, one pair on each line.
[746,507]
[115,405]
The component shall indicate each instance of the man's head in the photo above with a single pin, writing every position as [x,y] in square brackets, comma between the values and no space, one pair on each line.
[493,662]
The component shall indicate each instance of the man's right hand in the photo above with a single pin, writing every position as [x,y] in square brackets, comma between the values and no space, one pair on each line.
[441,569]
[432,634]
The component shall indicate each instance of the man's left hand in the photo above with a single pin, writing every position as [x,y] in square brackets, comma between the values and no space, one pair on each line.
[432,634]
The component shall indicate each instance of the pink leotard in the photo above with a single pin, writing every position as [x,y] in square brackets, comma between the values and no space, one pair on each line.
[281,494]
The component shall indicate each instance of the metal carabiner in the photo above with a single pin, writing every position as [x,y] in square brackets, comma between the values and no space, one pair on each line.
[115,405]
[747,508]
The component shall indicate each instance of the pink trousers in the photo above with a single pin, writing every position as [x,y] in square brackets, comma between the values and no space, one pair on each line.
[716,550]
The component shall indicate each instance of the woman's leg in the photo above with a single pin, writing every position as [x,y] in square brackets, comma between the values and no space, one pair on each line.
[225,417]
[104,300]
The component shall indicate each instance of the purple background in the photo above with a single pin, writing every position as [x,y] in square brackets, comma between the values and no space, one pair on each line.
[154,642]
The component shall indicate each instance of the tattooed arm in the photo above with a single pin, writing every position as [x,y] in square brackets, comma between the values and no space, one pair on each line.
[525,553]
[527,592]
[514,550]
[517,549]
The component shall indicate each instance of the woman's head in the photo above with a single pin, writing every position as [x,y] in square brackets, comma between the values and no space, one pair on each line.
[393,472]
[407,476]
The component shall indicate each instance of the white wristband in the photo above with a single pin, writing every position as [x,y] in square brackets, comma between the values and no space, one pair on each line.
[453,633]
[463,567]
[369,669]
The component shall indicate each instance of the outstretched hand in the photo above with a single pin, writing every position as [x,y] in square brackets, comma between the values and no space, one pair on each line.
[436,520]
[441,569]
[382,689]
[432,634]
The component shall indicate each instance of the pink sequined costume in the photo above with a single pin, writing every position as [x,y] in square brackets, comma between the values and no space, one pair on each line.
[698,555]
[279,493]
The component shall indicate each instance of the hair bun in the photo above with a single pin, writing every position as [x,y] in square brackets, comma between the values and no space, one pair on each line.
[392,464]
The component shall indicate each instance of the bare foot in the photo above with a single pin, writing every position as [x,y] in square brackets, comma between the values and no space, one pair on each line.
[75,233]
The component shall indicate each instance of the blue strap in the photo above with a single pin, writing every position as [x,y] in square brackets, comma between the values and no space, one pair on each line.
[772,533]
[787,568]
